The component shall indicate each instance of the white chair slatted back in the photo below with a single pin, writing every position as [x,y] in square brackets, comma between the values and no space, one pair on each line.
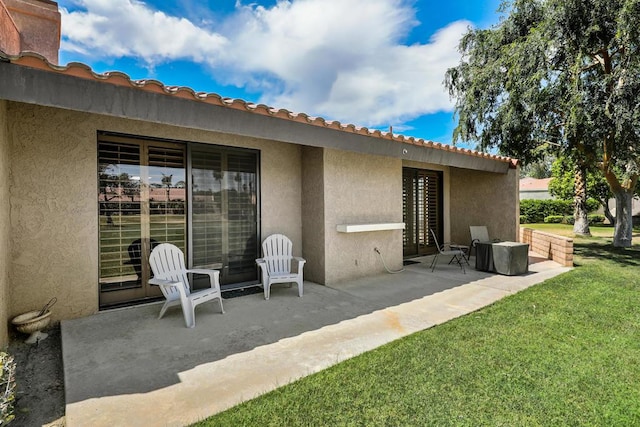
[167,263]
[277,252]
[479,233]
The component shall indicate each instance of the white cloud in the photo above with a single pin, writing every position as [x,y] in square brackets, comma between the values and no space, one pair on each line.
[118,28]
[340,59]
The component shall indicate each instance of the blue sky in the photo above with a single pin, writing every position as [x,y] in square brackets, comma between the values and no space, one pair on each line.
[373,63]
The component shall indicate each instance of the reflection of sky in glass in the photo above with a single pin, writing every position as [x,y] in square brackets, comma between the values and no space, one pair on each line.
[155,173]
[119,169]
[205,180]
[240,181]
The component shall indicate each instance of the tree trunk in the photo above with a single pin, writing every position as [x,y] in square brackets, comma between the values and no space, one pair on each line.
[624,219]
[581,221]
[607,212]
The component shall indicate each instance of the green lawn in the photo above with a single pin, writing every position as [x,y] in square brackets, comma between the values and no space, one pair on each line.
[603,231]
[565,352]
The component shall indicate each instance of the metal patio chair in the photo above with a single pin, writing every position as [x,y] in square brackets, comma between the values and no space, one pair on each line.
[479,233]
[457,255]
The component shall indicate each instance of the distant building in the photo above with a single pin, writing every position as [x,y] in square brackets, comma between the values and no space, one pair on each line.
[635,208]
[533,188]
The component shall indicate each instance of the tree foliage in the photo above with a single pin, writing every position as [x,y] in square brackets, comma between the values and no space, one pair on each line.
[562,184]
[564,74]
[539,169]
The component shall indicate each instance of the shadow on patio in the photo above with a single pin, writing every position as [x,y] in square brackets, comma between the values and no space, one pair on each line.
[127,367]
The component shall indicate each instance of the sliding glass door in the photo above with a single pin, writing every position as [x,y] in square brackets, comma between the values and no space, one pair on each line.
[142,203]
[224,212]
[202,198]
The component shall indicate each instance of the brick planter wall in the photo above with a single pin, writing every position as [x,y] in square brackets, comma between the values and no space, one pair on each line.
[550,246]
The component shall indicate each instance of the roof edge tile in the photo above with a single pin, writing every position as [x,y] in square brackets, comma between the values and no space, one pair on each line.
[80,70]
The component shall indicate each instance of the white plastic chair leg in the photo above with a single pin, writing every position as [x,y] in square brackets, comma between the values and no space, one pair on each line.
[163,309]
[300,290]
[167,305]
[189,316]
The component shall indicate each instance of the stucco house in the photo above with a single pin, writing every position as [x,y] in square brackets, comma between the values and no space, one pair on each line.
[96,166]
[535,188]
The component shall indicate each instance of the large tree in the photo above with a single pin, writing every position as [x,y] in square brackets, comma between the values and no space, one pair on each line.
[562,184]
[565,72]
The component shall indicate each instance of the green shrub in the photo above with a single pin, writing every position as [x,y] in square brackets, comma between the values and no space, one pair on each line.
[523,219]
[554,219]
[536,211]
[7,388]
[568,219]
[592,205]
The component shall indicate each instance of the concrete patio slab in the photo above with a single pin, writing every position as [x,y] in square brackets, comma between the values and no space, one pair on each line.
[126,367]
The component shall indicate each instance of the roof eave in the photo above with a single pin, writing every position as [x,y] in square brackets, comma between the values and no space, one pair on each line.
[35,86]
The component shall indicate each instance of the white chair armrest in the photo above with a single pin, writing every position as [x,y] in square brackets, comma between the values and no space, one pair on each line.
[204,271]
[170,284]
[163,282]
[301,262]
[214,276]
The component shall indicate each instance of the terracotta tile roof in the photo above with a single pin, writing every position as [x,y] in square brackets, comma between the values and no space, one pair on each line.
[76,69]
[534,184]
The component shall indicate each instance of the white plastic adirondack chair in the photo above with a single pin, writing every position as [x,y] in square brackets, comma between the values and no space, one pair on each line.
[170,273]
[276,263]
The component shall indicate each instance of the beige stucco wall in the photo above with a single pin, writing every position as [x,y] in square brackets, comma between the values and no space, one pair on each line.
[313,214]
[305,193]
[484,198]
[54,221]
[360,188]
[5,248]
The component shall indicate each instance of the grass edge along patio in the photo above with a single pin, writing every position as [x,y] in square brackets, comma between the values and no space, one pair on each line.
[560,353]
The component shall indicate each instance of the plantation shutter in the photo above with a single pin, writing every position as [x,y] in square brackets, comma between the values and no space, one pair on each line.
[422,208]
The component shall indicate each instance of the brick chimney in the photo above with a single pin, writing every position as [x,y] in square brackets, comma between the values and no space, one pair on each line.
[30,25]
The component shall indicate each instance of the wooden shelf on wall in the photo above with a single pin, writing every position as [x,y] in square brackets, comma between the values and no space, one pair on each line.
[360,228]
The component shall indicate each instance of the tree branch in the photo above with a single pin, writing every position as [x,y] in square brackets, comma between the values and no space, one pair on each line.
[596,64]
